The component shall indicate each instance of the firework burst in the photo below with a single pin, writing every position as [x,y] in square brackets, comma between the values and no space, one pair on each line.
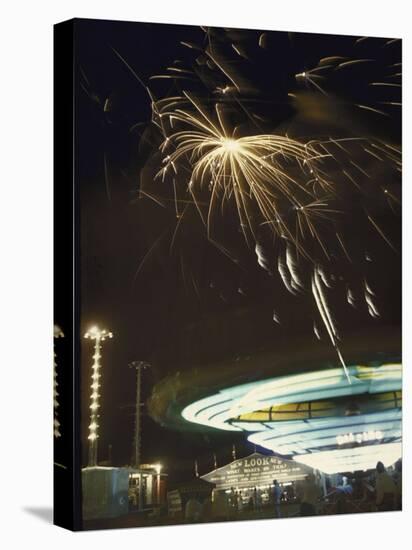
[302,191]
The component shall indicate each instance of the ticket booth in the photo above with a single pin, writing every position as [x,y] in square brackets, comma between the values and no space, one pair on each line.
[147,487]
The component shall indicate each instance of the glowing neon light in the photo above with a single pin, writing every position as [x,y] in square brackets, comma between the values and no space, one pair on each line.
[298,437]
[351,460]
[220,410]
[332,444]
[359,437]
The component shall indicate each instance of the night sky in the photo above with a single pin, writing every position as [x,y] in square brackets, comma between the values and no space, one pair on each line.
[183,307]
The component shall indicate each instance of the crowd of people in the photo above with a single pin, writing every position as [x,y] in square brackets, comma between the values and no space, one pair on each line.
[380,491]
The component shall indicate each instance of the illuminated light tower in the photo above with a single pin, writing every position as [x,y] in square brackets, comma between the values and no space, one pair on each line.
[58,333]
[139,366]
[98,336]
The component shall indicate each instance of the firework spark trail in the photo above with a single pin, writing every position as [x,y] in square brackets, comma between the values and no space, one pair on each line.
[293,268]
[261,258]
[274,181]
[369,299]
[373,312]
[252,167]
[284,273]
[323,309]
[350,298]
[310,78]
[148,253]
[257,170]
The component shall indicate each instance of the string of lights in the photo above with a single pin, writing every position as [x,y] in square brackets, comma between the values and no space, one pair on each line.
[58,333]
[98,336]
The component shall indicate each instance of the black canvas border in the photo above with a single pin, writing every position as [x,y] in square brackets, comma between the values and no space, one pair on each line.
[67,448]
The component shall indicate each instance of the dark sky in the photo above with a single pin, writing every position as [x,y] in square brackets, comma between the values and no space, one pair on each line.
[158,315]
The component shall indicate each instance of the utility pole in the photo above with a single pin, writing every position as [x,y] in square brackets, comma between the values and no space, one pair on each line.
[139,366]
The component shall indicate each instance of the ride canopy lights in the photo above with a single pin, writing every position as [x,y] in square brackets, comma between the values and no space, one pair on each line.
[316,418]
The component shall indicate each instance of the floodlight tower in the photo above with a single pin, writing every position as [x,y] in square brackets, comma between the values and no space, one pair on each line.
[58,333]
[98,336]
[139,366]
